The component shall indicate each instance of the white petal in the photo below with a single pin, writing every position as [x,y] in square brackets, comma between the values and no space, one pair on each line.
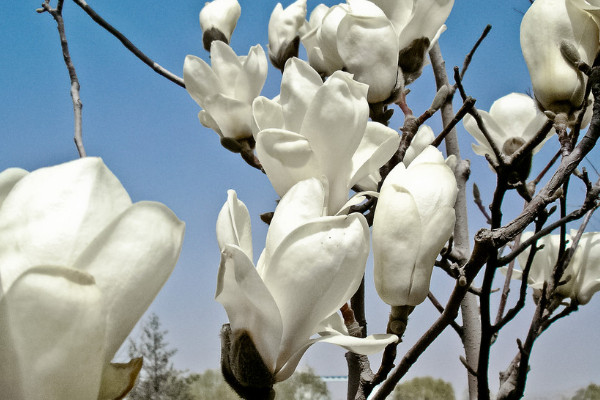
[52,215]
[200,80]
[249,305]
[327,38]
[304,202]
[420,141]
[315,270]
[234,117]
[284,24]
[252,76]
[377,146]
[233,225]
[426,19]
[226,65]
[52,328]
[587,281]
[299,84]
[368,44]
[9,178]
[287,158]
[267,114]
[131,260]
[334,124]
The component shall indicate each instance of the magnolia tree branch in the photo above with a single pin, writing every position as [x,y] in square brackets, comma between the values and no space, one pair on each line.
[56,13]
[130,46]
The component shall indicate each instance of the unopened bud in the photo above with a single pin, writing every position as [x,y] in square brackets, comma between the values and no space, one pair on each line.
[211,35]
[286,51]
[570,52]
[440,98]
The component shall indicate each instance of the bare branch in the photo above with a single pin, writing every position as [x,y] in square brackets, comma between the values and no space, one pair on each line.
[130,46]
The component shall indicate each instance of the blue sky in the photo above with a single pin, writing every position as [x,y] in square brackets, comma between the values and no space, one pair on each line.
[146,130]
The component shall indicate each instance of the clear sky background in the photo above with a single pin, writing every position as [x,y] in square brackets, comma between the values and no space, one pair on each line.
[146,130]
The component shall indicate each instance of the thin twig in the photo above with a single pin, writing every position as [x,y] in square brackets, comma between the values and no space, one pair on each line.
[130,46]
[469,56]
[77,105]
[440,308]
[464,109]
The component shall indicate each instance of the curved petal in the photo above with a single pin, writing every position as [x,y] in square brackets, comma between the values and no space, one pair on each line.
[396,241]
[368,44]
[200,80]
[304,202]
[9,178]
[52,336]
[249,305]
[426,19]
[234,117]
[52,215]
[315,270]
[131,260]
[327,38]
[496,132]
[266,114]
[299,84]
[119,378]
[514,112]
[284,25]
[377,146]
[220,14]
[420,141]
[334,124]
[209,122]
[233,225]
[226,66]
[252,76]
[287,158]
[587,281]
[398,11]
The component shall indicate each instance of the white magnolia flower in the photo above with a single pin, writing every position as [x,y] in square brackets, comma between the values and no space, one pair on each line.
[558,86]
[226,90]
[513,120]
[368,45]
[413,220]
[420,142]
[358,38]
[320,129]
[418,25]
[583,271]
[310,267]
[284,26]
[218,19]
[79,265]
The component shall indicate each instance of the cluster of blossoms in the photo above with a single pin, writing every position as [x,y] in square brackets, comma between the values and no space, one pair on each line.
[315,143]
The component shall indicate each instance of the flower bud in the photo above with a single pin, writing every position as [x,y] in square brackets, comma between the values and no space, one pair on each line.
[218,19]
[283,32]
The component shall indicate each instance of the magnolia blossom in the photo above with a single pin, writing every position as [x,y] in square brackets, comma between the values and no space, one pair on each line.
[226,90]
[79,265]
[310,267]
[413,220]
[558,85]
[218,19]
[582,275]
[423,138]
[283,32]
[358,37]
[320,129]
[418,25]
[513,120]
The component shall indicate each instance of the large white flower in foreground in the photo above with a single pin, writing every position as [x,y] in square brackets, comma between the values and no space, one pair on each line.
[413,220]
[583,270]
[79,265]
[320,129]
[558,86]
[513,120]
[226,90]
[218,19]
[311,266]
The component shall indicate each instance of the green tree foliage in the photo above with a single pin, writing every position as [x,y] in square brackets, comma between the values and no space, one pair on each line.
[425,388]
[303,385]
[592,392]
[158,379]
